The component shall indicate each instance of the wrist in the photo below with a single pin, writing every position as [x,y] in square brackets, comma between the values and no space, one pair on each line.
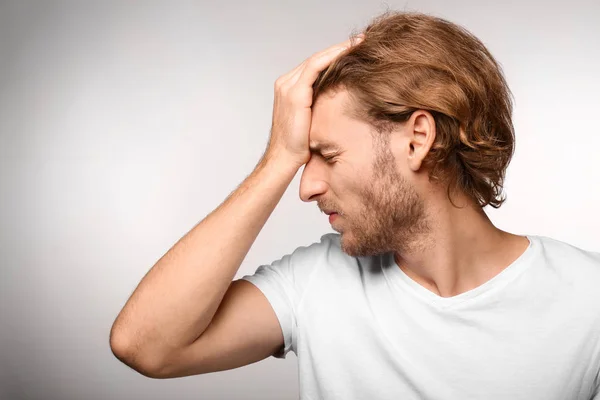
[281,161]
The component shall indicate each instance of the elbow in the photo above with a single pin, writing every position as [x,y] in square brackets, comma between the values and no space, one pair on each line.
[125,350]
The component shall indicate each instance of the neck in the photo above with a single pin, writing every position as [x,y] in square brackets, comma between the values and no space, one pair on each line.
[461,250]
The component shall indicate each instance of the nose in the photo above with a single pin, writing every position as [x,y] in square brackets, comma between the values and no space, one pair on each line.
[313,182]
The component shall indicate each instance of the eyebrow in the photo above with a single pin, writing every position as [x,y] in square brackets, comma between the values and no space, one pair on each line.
[323,146]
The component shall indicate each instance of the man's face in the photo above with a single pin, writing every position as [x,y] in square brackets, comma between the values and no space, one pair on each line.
[379,209]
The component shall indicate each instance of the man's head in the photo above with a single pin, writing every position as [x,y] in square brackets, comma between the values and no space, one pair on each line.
[420,106]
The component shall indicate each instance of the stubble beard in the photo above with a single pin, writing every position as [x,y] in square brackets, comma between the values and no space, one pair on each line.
[392,217]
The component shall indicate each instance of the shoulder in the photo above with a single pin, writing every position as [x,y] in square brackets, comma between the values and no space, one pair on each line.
[310,256]
[569,258]
[327,244]
[295,269]
[572,272]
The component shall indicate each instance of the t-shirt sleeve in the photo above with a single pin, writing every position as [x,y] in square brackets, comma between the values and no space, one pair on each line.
[596,394]
[283,282]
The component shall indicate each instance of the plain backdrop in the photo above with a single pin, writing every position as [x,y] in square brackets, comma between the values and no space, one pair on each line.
[123,124]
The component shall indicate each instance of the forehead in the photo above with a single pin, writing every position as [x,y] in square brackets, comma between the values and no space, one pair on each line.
[331,125]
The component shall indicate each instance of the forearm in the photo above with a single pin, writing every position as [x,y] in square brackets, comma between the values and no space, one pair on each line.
[176,300]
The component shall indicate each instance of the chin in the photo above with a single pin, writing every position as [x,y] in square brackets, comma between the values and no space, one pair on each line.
[356,247]
[348,245]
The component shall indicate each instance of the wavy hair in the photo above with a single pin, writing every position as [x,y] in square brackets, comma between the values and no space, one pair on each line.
[409,61]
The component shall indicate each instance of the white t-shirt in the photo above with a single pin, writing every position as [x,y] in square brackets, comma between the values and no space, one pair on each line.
[363,329]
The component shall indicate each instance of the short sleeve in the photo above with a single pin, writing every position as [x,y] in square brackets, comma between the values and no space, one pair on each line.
[284,281]
[596,394]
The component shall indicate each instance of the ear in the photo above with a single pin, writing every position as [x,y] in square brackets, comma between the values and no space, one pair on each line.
[421,133]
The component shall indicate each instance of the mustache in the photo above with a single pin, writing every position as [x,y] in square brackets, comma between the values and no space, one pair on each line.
[330,208]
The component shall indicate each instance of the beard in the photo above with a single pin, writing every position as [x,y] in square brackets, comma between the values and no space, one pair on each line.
[391,217]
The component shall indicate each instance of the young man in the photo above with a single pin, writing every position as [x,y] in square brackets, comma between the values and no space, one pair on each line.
[406,134]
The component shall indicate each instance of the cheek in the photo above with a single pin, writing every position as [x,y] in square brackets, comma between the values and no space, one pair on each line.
[350,188]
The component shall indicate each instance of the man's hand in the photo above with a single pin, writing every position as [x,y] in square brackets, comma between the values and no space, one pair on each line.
[292,105]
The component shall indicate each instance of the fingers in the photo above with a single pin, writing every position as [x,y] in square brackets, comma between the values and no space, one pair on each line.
[340,46]
[310,68]
[287,77]
[293,77]
[318,62]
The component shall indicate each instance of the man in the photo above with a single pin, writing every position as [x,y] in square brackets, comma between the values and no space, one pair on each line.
[406,134]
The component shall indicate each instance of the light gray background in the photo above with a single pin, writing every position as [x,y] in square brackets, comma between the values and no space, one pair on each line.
[123,124]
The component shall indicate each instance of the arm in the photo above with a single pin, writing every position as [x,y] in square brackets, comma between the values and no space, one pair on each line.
[177,299]
[187,316]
